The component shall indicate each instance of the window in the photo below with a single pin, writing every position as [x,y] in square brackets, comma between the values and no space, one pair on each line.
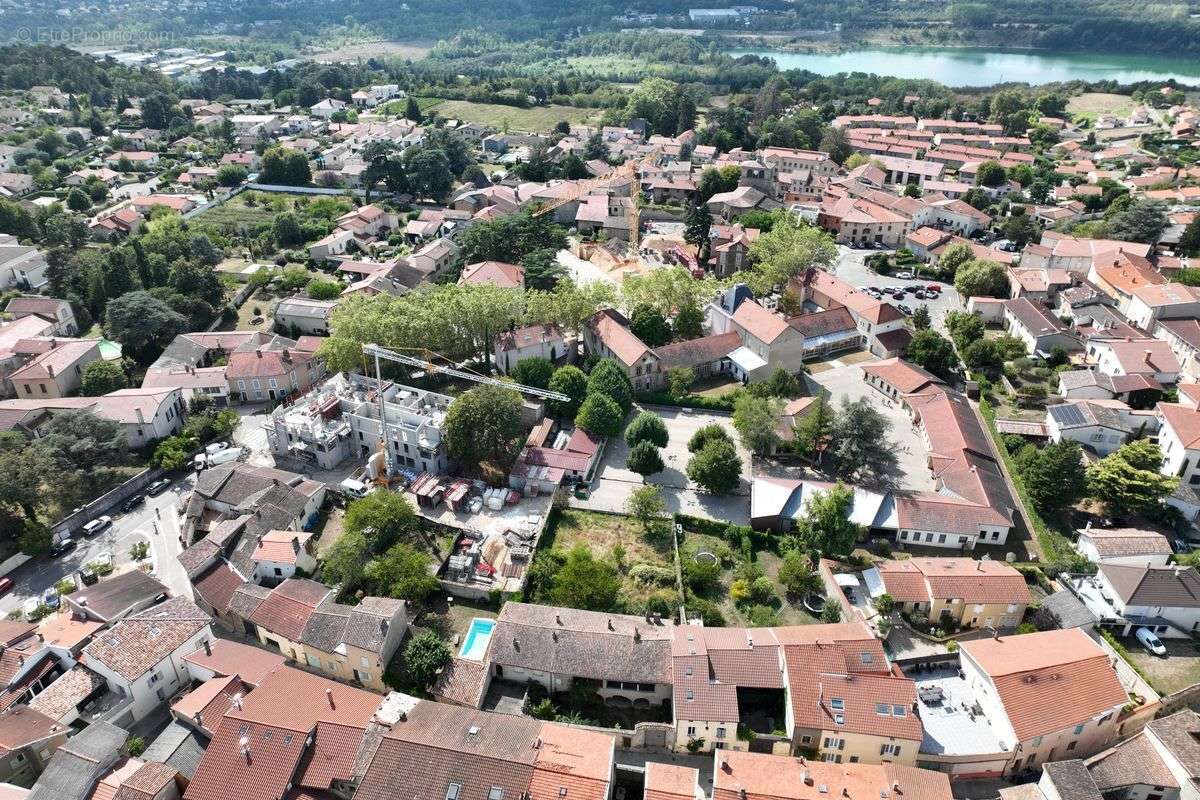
[452,791]
[1071,746]
[892,750]
[313,661]
[882,709]
[806,739]
[898,711]
[691,730]
[720,733]
[364,661]
[837,703]
[1079,729]
[941,538]
[834,744]
[866,658]
[1037,742]
[496,793]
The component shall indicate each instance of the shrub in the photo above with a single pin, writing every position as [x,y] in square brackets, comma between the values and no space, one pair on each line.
[701,576]
[761,616]
[707,611]
[65,586]
[651,575]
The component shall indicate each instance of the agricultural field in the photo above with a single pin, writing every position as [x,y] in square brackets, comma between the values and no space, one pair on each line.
[236,213]
[1092,104]
[355,51]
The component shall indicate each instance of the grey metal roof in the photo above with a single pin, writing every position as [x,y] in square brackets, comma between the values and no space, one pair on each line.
[1069,609]
[76,766]
[108,598]
[178,746]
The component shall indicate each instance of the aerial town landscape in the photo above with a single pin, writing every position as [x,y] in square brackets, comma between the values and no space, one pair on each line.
[797,401]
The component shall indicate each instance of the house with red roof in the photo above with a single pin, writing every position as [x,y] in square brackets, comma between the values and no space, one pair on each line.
[1047,695]
[971,593]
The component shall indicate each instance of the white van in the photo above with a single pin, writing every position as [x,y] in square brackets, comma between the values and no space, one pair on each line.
[353,488]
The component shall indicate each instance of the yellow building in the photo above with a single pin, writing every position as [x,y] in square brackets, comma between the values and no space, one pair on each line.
[971,593]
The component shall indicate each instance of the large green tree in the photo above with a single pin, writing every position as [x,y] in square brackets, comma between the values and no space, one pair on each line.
[571,381]
[716,466]
[600,414]
[585,582]
[403,573]
[484,425]
[142,324]
[788,250]
[383,518]
[825,524]
[647,427]
[862,449]
[931,350]
[981,278]
[756,420]
[1129,480]
[1054,476]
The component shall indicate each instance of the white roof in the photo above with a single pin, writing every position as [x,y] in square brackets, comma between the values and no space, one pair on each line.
[747,359]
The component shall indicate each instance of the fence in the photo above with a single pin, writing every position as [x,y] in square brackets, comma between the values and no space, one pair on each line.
[107,500]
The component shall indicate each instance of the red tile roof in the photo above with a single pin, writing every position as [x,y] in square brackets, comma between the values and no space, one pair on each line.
[289,606]
[227,657]
[759,776]
[1065,664]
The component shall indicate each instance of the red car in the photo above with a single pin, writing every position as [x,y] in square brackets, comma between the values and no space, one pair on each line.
[6,585]
[933,287]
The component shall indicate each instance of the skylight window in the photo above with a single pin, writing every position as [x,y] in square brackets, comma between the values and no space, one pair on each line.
[837,703]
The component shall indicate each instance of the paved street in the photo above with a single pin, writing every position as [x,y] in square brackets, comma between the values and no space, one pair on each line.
[33,578]
[850,268]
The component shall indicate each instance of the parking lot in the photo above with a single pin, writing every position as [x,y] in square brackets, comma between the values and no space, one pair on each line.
[845,380]
[850,268]
[613,483]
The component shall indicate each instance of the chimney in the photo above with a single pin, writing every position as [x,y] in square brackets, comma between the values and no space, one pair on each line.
[637,635]
[198,718]
[895,786]
[244,746]
[610,625]
[53,343]
[296,544]
[979,566]
[141,418]
[237,701]
[329,697]
[1147,357]
[845,791]
[50,370]
[287,355]
[557,619]
[724,765]
[516,644]
[258,352]
[537,743]
[207,648]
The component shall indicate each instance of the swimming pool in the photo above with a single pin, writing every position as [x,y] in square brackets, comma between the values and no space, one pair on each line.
[475,644]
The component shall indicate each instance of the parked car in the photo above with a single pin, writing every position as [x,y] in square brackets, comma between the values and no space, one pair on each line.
[904,276]
[95,526]
[905,310]
[1151,642]
[133,502]
[6,585]
[50,598]
[63,546]
[920,294]
[216,447]
[353,489]
[158,487]
[933,287]
[30,608]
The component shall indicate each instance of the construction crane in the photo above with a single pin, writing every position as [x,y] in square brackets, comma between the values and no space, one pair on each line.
[426,364]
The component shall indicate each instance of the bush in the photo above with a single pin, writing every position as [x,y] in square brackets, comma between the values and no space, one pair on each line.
[651,575]
[760,616]
[662,398]
[65,586]
[707,611]
[701,576]
[707,434]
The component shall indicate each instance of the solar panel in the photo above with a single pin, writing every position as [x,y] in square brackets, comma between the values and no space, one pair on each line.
[1067,414]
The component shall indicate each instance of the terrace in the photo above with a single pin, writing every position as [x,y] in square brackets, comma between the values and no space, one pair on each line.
[953,720]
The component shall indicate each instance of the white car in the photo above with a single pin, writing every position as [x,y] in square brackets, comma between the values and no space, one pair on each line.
[216,447]
[95,526]
[904,276]
[1151,642]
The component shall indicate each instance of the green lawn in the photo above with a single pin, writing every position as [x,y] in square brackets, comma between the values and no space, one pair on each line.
[235,214]
[528,120]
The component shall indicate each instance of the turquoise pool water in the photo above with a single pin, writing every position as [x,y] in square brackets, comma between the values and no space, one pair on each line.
[475,644]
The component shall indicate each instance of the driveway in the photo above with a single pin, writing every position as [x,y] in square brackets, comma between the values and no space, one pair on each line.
[156,521]
[613,483]
[845,381]
[850,268]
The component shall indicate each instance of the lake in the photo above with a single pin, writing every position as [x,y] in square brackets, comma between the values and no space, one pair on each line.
[972,67]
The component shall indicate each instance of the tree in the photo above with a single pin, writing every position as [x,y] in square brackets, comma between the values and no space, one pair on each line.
[571,381]
[697,225]
[756,420]
[689,321]
[1129,480]
[932,351]
[230,175]
[23,471]
[813,429]
[964,328]
[716,466]
[101,377]
[679,381]
[826,523]
[600,415]
[585,582]
[542,269]
[1140,221]
[347,560]
[429,173]
[383,518]
[649,325]
[287,230]
[707,434]
[644,459]
[609,378]
[646,504]
[981,278]
[920,318]
[535,371]
[77,441]
[78,200]
[647,427]
[324,290]
[509,238]
[285,167]
[426,654]
[142,324]
[402,572]
[36,538]
[835,142]
[1054,476]
[954,257]
[797,576]
[991,174]
[788,250]
[484,425]
[412,110]
[1189,240]
[861,449]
